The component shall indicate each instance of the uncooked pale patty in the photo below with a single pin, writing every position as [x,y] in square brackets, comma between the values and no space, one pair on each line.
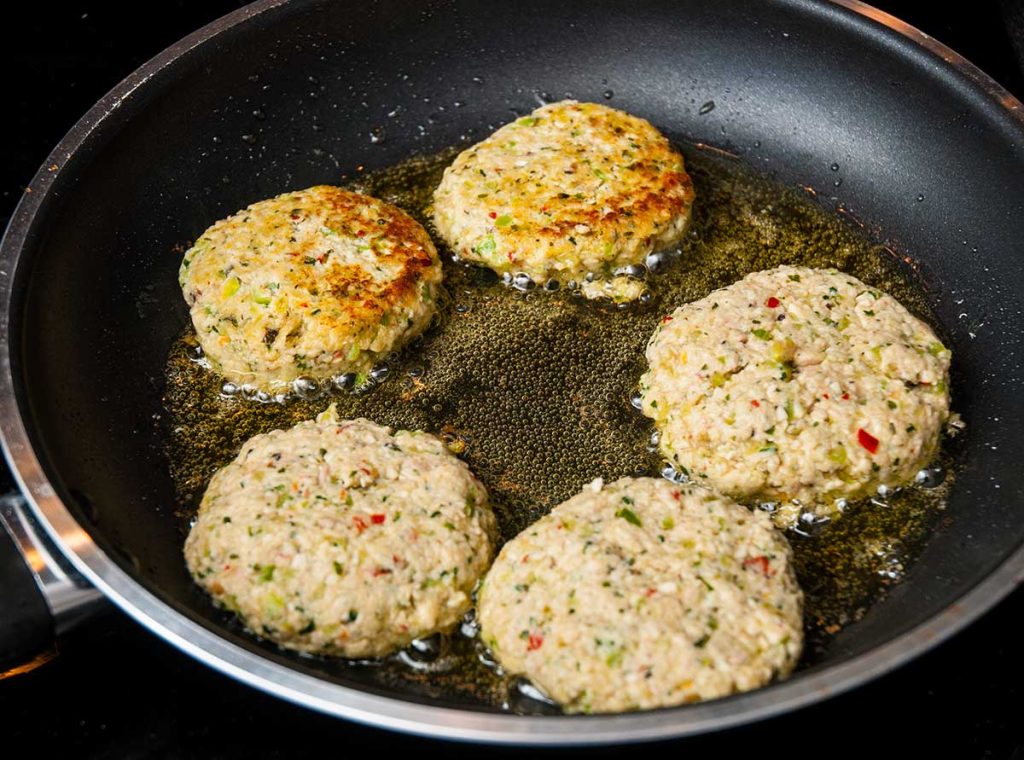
[316,283]
[797,386]
[570,191]
[341,538]
[644,594]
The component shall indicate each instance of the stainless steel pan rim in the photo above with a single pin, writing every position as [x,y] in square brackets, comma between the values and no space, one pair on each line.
[395,714]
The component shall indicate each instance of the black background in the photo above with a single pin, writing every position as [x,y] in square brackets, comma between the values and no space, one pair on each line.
[116,691]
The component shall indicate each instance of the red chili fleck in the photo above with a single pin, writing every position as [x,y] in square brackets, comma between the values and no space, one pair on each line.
[365,470]
[868,441]
[677,495]
[304,304]
[755,402]
[824,395]
[377,519]
[493,215]
[511,255]
[667,318]
[761,563]
[534,642]
[846,397]
[360,523]
[650,592]
[360,233]
[381,571]
[772,302]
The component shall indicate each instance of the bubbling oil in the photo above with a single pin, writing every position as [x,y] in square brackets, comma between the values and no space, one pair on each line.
[535,390]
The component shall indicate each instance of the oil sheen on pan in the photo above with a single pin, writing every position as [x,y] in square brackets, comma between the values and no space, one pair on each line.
[537,392]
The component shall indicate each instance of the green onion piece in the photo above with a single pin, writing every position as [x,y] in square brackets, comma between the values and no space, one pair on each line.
[230,287]
[486,246]
[629,516]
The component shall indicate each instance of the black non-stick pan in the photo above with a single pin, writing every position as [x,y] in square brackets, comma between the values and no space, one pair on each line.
[284,95]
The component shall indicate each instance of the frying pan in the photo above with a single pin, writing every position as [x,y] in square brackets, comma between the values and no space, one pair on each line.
[797,87]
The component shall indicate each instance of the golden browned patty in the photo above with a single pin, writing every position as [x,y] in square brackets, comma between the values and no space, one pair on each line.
[318,283]
[574,192]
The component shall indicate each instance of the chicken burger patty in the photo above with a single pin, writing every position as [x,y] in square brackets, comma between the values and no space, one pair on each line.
[574,192]
[339,537]
[315,283]
[797,387]
[642,594]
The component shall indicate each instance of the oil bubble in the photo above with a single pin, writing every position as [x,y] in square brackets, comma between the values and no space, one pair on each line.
[426,649]
[635,271]
[527,699]
[810,524]
[930,477]
[306,387]
[345,382]
[523,282]
[487,660]
[675,475]
[469,627]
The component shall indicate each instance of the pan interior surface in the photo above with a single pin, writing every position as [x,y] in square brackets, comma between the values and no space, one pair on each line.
[534,392]
[307,92]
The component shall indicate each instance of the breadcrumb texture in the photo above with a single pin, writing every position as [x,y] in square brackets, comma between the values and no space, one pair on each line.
[573,193]
[339,537]
[799,388]
[642,594]
[314,283]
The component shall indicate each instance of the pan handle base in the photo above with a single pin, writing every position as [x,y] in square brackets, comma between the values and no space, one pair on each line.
[41,594]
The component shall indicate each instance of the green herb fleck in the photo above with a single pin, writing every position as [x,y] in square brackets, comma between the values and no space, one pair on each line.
[486,246]
[629,516]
